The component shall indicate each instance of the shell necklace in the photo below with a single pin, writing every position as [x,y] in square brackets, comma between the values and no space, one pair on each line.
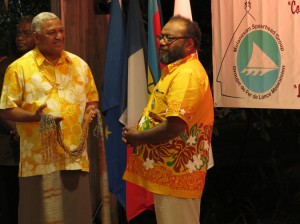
[60,86]
[51,134]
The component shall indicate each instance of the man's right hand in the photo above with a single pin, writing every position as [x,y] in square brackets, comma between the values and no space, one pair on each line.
[40,111]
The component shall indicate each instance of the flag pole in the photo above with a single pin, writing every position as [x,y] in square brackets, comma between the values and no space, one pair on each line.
[105,203]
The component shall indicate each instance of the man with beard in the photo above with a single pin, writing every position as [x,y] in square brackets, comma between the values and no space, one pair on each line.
[172,140]
[9,139]
[52,96]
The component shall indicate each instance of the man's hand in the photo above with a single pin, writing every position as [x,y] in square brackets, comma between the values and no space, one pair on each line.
[40,111]
[90,113]
[131,136]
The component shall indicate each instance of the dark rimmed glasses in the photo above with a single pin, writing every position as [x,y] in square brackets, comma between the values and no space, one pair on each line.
[169,40]
[25,33]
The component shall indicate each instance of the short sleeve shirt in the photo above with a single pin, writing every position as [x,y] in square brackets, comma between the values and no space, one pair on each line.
[66,88]
[177,167]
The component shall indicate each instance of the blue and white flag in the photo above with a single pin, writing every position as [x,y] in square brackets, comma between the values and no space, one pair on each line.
[115,149]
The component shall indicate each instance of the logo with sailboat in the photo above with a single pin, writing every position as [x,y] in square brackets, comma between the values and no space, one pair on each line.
[259,61]
[255,54]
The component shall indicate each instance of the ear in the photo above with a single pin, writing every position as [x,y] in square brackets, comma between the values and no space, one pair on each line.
[36,37]
[190,46]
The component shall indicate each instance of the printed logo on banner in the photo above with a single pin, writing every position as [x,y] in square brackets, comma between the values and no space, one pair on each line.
[259,69]
[255,53]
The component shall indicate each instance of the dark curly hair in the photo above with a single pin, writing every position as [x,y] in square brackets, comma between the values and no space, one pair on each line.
[192,29]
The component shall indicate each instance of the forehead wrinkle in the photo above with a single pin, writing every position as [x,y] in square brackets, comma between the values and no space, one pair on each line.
[52,24]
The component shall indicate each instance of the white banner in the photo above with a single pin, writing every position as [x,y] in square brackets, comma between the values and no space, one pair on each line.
[256,53]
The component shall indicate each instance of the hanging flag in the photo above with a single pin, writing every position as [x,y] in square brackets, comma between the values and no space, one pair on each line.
[136,83]
[137,198]
[115,150]
[154,29]
[183,8]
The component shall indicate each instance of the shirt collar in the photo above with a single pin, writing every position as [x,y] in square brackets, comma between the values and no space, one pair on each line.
[171,67]
[39,57]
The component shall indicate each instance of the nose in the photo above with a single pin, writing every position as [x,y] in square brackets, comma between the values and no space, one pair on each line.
[59,34]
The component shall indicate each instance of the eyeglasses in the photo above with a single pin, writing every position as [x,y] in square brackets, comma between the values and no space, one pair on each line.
[25,33]
[169,40]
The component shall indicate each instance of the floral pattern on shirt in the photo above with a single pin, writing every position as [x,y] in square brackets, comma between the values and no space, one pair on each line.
[176,167]
[179,155]
[66,88]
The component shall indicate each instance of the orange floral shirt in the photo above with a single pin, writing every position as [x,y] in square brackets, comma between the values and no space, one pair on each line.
[178,167]
[66,87]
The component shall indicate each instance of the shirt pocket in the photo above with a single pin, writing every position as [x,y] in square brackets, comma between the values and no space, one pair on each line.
[159,103]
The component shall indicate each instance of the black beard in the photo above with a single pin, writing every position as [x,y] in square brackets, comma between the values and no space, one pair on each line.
[168,57]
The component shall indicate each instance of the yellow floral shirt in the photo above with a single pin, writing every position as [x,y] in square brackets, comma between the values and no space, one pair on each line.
[66,87]
[178,167]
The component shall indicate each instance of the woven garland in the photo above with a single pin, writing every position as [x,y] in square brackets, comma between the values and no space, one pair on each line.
[51,134]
